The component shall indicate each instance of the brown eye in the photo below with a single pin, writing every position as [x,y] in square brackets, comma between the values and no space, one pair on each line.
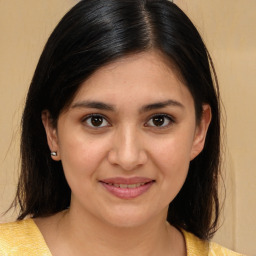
[160,121]
[96,121]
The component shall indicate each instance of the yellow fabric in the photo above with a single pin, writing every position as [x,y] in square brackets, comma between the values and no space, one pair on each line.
[197,247]
[23,238]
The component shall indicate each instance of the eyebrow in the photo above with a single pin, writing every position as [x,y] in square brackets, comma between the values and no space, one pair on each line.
[162,104]
[109,107]
[94,104]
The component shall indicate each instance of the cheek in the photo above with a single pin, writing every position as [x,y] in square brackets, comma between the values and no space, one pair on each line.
[80,164]
[81,155]
[172,159]
[173,151]
[174,164]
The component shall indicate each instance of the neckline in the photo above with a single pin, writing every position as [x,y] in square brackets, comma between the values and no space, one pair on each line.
[40,236]
[194,245]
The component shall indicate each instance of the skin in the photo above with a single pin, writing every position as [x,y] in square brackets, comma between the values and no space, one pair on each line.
[128,143]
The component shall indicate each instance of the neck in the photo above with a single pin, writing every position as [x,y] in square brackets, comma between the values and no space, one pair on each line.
[90,236]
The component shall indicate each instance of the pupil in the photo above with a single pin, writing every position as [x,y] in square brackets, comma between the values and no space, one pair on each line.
[97,120]
[158,121]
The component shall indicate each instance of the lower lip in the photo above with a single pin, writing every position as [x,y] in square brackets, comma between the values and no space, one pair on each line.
[127,193]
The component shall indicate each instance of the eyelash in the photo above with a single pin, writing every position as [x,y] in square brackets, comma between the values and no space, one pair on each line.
[85,119]
[104,119]
[165,116]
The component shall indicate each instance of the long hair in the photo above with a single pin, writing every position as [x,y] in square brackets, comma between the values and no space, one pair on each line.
[92,34]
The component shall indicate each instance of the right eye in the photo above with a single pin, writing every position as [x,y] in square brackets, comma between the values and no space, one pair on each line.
[96,121]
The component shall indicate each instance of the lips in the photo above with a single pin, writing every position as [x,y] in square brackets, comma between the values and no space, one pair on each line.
[136,185]
[127,188]
[122,180]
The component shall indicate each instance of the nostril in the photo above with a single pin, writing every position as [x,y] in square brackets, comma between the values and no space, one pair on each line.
[127,159]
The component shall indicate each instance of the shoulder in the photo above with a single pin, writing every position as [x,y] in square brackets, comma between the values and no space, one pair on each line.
[216,249]
[196,246]
[21,238]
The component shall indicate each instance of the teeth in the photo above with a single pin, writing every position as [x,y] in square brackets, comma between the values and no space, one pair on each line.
[132,186]
[127,185]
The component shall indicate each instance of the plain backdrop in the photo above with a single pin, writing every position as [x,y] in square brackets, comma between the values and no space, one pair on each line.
[228,28]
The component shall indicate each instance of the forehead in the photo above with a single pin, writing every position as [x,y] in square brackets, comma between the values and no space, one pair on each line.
[140,77]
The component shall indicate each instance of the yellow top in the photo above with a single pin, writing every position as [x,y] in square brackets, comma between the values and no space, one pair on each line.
[23,238]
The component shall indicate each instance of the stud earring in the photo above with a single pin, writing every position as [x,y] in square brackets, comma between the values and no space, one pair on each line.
[53,153]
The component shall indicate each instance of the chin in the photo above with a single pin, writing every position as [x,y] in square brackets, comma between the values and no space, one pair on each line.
[127,218]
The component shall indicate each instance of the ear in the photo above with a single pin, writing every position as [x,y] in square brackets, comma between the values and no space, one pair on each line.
[51,134]
[201,131]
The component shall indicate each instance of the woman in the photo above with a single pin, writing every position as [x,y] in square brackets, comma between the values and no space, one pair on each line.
[120,138]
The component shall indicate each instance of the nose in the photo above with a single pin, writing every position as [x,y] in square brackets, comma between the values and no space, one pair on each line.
[127,150]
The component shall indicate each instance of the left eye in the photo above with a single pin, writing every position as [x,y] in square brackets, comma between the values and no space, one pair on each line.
[159,121]
[96,121]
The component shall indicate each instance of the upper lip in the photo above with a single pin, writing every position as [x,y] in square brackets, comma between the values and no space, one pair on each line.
[128,181]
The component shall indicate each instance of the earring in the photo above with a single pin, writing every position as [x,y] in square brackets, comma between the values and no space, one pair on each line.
[53,153]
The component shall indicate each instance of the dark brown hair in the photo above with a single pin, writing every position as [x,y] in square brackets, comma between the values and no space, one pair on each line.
[90,35]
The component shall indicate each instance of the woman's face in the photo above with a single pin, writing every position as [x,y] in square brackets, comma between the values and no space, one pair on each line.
[126,140]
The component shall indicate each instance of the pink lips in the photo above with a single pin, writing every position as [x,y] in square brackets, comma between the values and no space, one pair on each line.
[127,188]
